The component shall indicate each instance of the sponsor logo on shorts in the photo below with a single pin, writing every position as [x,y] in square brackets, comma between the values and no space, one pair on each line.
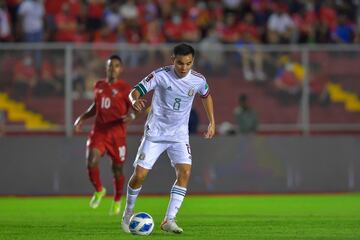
[142,156]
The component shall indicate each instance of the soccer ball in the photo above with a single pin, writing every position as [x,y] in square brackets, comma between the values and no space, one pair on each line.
[141,224]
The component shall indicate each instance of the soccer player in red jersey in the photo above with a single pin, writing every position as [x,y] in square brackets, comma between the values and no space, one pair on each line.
[111,110]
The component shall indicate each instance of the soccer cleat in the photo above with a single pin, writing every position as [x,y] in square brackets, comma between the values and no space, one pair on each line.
[260,75]
[115,208]
[96,198]
[248,75]
[170,225]
[126,220]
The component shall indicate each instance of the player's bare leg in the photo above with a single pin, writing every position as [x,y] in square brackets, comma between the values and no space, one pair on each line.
[118,188]
[134,187]
[177,195]
[93,157]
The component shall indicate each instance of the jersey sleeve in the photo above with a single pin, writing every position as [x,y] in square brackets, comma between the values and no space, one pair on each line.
[147,84]
[96,86]
[204,90]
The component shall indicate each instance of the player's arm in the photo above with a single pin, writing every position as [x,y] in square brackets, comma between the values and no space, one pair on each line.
[209,109]
[90,112]
[136,101]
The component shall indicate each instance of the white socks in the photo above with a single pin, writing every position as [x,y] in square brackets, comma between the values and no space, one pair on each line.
[131,197]
[177,195]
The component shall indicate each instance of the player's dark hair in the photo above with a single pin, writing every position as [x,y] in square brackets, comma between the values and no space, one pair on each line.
[183,49]
[114,56]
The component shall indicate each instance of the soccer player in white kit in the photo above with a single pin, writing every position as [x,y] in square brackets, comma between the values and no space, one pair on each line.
[166,128]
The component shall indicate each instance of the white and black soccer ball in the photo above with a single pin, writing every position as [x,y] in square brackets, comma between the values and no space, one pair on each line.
[141,224]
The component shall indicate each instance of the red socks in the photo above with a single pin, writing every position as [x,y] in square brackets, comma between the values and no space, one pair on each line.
[118,186]
[94,176]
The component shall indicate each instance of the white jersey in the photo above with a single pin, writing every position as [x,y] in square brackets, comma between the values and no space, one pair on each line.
[171,103]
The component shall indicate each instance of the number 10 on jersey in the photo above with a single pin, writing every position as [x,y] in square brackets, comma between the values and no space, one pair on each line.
[105,102]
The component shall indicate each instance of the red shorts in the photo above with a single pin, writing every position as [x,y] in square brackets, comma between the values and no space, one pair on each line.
[108,141]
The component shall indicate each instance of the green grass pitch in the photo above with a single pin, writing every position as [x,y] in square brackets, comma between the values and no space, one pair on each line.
[273,217]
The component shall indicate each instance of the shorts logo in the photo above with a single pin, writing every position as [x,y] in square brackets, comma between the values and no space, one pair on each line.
[191,92]
[142,156]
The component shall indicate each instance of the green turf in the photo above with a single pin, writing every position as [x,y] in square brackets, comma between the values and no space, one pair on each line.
[202,217]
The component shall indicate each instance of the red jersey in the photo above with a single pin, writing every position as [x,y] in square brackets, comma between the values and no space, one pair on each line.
[112,104]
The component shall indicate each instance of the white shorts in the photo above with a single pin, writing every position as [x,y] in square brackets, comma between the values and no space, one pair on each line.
[149,152]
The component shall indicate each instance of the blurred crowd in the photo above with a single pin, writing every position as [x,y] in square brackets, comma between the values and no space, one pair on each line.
[210,23]
[168,21]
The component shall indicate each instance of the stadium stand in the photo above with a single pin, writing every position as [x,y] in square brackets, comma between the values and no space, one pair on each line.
[37,79]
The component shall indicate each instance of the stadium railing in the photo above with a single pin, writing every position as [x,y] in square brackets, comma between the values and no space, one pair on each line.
[301,89]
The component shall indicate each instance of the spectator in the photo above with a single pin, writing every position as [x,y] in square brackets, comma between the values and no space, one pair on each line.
[322,32]
[2,122]
[172,28]
[52,8]
[13,7]
[288,79]
[228,30]
[47,84]
[280,25]
[66,25]
[152,32]
[190,31]
[148,10]
[24,77]
[295,21]
[245,116]
[95,13]
[343,32]
[248,38]
[129,12]
[305,22]
[5,30]
[32,20]
[104,35]
[78,80]
[112,17]
[231,6]
[212,54]
[328,14]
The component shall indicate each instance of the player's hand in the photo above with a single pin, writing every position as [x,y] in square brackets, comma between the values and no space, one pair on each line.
[210,132]
[129,118]
[139,104]
[78,125]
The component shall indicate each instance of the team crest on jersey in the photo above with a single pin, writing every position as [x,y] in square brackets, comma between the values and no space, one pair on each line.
[142,156]
[114,92]
[149,77]
[191,92]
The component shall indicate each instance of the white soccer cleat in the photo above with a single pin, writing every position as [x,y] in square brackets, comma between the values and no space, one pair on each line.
[248,75]
[126,220]
[170,225]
